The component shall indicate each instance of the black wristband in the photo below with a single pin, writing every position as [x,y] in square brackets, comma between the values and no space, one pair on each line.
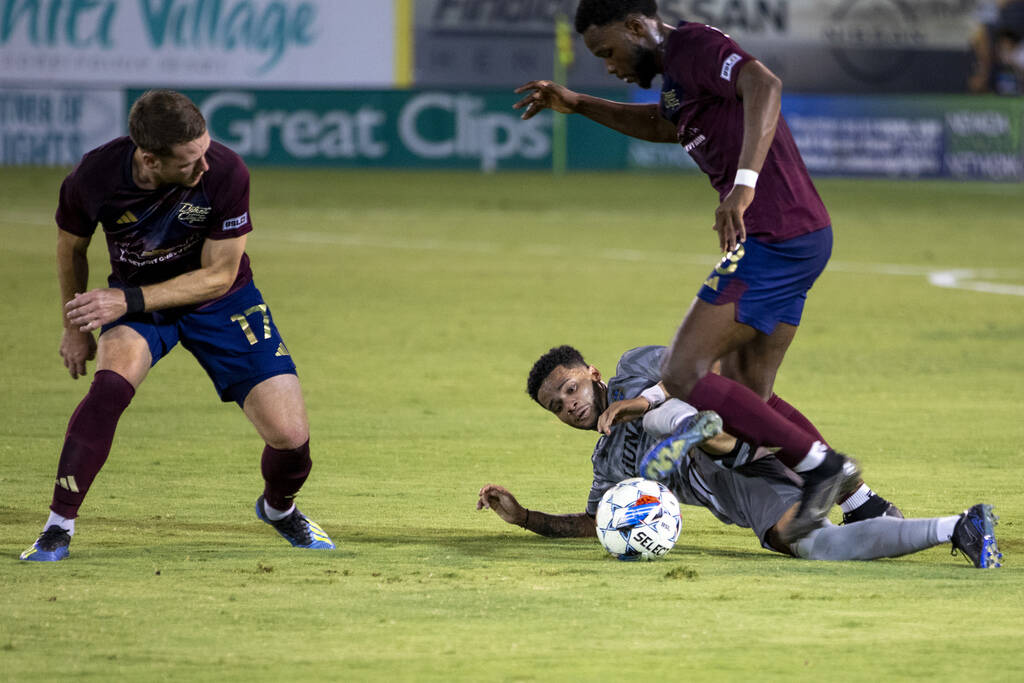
[133,297]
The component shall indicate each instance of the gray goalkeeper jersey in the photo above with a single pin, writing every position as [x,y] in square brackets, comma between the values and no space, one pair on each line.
[698,481]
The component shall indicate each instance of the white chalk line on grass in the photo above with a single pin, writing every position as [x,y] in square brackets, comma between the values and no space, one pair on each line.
[969,279]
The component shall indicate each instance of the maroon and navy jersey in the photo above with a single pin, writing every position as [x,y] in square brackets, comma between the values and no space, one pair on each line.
[154,235]
[698,95]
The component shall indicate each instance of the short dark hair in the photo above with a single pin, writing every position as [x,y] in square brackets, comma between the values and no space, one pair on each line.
[602,12]
[560,355]
[161,119]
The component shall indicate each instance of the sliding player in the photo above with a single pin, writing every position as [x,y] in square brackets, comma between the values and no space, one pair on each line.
[737,485]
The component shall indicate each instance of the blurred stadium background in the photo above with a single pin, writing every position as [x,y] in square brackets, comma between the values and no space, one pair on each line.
[873,87]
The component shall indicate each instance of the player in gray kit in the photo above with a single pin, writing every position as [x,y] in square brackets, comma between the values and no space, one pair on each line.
[739,485]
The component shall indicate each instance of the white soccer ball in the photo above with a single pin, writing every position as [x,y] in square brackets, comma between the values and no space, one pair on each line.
[638,519]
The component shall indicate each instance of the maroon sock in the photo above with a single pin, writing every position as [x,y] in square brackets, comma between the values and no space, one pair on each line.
[284,473]
[795,416]
[87,441]
[746,416]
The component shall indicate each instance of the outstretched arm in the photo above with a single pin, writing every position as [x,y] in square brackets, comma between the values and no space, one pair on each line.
[641,121]
[506,506]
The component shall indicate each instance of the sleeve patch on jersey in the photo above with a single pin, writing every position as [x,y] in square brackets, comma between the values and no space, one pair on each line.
[237,222]
[728,64]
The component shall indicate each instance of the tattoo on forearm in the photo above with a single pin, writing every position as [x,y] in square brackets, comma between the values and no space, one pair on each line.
[561,526]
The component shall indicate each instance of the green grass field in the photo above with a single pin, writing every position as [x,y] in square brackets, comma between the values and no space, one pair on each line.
[414,305]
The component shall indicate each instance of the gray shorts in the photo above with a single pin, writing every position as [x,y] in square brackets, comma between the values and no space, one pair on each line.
[754,496]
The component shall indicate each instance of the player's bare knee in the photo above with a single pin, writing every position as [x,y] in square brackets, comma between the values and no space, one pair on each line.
[679,377]
[287,440]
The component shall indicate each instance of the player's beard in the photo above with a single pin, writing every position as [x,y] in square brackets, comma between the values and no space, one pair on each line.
[600,400]
[645,66]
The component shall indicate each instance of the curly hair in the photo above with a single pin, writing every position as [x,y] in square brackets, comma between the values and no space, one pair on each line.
[602,12]
[563,355]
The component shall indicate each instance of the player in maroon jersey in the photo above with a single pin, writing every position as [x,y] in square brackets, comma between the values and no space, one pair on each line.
[174,207]
[722,106]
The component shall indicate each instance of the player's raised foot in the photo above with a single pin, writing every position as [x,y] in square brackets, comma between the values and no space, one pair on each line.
[297,529]
[974,536]
[835,477]
[875,506]
[52,545]
[665,456]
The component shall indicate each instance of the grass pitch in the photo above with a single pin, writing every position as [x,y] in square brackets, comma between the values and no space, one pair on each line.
[414,305]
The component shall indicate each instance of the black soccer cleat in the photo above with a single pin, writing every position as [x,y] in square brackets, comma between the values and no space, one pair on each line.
[875,506]
[835,477]
[975,537]
[51,546]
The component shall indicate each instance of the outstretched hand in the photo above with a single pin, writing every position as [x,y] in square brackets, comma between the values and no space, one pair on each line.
[621,411]
[503,503]
[545,95]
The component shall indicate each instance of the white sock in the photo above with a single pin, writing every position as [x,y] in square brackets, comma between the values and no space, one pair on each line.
[856,499]
[814,457]
[944,528]
[64,523]
[273,514]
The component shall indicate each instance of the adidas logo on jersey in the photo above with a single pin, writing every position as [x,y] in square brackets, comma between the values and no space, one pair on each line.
[126,218]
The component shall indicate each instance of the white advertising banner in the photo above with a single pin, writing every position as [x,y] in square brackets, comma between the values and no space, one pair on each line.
[53,127]
[192,43]
[813,45]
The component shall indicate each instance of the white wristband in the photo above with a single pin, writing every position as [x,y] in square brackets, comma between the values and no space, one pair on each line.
[745,176]
[655,395]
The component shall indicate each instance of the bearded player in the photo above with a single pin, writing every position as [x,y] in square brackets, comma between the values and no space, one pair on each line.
[174,207]
[722,105]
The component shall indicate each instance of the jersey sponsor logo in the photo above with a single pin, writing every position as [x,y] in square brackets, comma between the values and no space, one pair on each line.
[669,99]
[193,215]
[126,218]
[236,222]
[692,138]
[695,143]
[728,64]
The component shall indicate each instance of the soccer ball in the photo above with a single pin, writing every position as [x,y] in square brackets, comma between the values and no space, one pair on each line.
[638,519]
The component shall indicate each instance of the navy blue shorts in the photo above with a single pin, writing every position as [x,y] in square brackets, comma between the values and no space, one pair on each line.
[234,339]
[769,282]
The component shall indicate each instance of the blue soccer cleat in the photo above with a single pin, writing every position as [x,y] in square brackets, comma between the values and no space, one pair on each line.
[666,455]
[297,529]
[975,537]
[51,546]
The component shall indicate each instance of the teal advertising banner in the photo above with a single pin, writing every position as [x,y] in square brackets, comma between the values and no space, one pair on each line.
[471,129]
